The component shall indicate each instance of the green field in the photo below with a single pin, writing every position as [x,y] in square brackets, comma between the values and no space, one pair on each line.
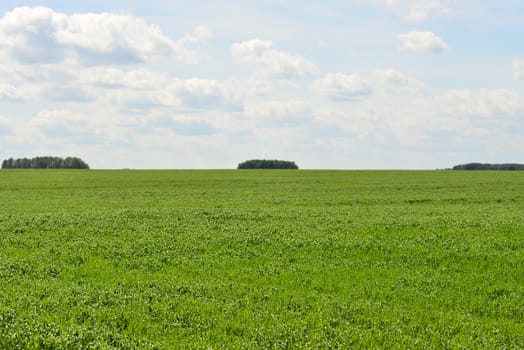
[261,259]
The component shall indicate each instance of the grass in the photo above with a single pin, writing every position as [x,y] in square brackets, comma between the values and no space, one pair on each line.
[261,259]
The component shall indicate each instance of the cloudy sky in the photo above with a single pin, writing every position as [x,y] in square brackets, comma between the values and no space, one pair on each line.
[374,84]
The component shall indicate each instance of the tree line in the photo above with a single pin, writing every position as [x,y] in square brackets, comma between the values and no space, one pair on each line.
[488,166]
[267,164]
[45,163]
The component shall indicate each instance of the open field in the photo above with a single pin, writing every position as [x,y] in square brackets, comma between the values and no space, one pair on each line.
[261,259]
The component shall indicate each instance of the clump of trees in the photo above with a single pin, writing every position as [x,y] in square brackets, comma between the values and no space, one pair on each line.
[267,164]
[45,163]
[488,166]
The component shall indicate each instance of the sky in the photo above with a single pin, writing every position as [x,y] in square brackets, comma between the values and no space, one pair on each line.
[364,84]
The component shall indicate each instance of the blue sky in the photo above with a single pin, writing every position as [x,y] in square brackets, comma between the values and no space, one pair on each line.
[380,84]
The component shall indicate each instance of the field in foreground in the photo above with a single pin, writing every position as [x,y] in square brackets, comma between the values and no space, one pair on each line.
[261,259]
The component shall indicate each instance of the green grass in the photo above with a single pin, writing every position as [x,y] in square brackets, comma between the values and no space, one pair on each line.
[261,259]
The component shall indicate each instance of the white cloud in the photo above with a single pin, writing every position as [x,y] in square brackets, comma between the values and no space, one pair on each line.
[269,61]
[200,36]
[419,10]
[518,69]
[440,122]
[114,78]
[289,113]
[203,93]
[145,88]
[339,86]
[135,89]
[338,122]
[387,81]
[183,125]
[486,103]
[422,42]
[393,81]
[138,92]
[463,120]
[41,35]
[63,124]
[8,92]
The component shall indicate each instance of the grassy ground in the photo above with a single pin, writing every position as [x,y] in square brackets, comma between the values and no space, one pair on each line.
[261,259]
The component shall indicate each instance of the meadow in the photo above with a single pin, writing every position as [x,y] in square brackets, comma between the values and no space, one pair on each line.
[261,259]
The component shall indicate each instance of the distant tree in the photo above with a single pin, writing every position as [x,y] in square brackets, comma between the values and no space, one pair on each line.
[8,163]
[45,163]
[488,166]
[267,164]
